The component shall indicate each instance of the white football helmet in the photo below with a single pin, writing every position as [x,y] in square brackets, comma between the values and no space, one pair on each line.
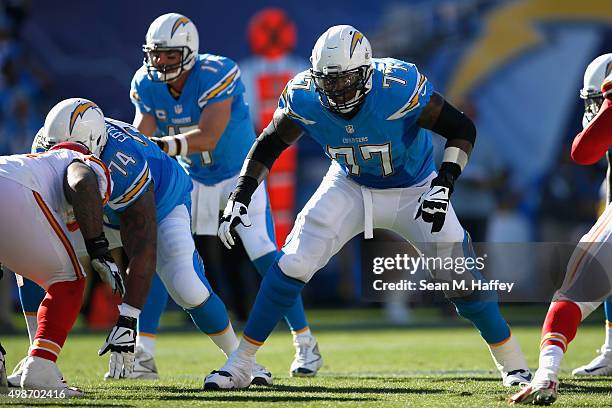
[170,32]
[342,68]
[594,76]
[75,120]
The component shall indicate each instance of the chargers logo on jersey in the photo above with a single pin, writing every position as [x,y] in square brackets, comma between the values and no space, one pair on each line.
[79,111]
[179,22]
[357,39]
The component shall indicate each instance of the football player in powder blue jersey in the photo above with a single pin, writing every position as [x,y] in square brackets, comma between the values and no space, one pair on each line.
[371,117]
[193,106]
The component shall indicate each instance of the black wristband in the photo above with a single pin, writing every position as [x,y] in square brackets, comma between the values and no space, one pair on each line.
[126,321]
[96,247]
[447,175]
[245,188]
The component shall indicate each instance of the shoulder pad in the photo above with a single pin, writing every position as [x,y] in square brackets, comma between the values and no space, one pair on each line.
[403,90]
[128,166]
[218,78]
[296,100]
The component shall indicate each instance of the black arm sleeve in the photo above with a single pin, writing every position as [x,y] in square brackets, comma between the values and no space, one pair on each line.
[453,124]
[278,136]
[267,147]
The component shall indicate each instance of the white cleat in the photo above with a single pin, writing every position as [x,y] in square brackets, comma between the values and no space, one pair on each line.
[542,392]
[144,367]
[42,374]
[236,374]
[261,376]
[14,380]
[307,360]
[3,382]
[601,365]
[516,377]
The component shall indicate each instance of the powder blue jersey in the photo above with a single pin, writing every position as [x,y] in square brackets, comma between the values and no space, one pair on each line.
[382,146]
[212,79]
[134,163]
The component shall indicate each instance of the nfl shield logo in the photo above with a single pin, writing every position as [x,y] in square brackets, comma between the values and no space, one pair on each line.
[178,109]
[350,129]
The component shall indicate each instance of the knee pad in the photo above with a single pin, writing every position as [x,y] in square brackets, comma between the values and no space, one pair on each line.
[297,267]
[185,281]
[189,295]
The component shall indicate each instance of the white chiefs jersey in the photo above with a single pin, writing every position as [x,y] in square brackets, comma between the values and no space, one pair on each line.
[45,172]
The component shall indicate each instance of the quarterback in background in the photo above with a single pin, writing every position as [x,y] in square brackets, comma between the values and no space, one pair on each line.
[195,103]
[570,304]
[42,195]
[370,115]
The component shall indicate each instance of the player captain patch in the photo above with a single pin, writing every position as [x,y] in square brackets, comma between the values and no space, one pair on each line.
[161,114]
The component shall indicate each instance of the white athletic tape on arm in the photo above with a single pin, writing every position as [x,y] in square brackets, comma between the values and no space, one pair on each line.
[171,142]
[455,155]
[184,146]
[130,311]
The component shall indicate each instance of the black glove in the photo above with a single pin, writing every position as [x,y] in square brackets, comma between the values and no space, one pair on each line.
[121,342]
[433,204]
[103,263]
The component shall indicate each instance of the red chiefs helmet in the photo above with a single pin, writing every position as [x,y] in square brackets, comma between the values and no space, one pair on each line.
[77,147]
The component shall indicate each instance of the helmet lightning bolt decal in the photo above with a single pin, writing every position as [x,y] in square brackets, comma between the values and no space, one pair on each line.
[80,111]
[179,22]
[357,38]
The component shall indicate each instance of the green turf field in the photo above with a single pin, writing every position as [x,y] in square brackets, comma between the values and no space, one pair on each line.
[376,367]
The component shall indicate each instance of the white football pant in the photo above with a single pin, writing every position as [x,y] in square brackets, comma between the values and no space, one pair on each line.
[341,209]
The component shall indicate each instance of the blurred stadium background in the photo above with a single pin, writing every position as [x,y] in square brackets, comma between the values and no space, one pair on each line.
[514,66]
